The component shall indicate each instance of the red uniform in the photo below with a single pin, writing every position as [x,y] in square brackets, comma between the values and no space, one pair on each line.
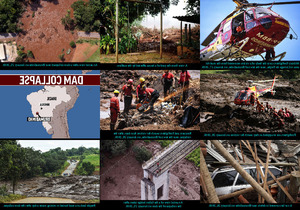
[127,90]
[139,91]
[149,91]
[184,77]
[114,109]
[168,75]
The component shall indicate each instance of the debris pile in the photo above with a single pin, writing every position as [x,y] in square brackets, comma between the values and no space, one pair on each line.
[167,113]
[230,162]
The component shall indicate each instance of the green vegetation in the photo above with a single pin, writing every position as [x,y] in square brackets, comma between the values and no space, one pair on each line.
[195,157]
[61,56]
[10,12]
[72,44]
[88,164]
[141,154]
[95,57]
[22,163]
[11,197]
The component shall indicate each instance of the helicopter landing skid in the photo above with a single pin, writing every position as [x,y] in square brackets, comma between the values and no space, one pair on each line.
[226,51]
[281,55]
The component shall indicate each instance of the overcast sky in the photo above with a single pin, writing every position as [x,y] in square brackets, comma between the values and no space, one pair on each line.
[168,20]
[46,145]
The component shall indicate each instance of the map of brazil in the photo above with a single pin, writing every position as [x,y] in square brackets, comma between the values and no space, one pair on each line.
[43,104]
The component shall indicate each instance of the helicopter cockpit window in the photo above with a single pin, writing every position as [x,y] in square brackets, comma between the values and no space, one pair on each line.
[226,26]
[243,96]
[249,15]
[261,12]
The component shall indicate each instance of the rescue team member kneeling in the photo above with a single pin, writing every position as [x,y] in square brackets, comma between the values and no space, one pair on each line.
[151,94]
[114,110]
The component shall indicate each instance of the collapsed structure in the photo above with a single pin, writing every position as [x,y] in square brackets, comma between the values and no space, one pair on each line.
[262,168]
[155,183]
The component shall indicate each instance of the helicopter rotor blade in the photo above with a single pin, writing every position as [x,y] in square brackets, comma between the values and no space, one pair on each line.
[267,4]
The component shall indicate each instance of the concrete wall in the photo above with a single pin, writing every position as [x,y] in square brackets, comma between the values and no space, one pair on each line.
[150,186]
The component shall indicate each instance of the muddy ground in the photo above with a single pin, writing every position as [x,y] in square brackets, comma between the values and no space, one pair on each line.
[43,32]
[121,177]
[218,113]
[157,120]
[72,187]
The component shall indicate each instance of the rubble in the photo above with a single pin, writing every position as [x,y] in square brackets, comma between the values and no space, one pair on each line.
[280,155]
[167,113]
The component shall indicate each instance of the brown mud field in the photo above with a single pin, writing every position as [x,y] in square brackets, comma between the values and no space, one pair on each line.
[160,119]
[121,177]
[218,113]
[43,32]
[71,187]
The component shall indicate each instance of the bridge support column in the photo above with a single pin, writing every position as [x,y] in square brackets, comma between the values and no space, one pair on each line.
[155,187]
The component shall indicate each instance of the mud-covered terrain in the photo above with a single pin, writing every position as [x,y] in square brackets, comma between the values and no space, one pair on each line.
[121,177]
[72,187]
[161,118]
[218,113]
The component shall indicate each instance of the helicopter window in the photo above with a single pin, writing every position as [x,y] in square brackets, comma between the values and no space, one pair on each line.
[251,25]
[226,27]
[243,96]
[266,22]
[261,12]
[249,15]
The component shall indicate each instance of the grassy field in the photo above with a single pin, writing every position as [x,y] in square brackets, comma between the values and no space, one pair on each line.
[95,57]
[93,159]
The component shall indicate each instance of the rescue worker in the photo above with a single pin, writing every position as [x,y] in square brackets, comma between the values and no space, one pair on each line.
[151,94]
[167,80]
[184,82]
[140,93]
[114,109]
[270,54]
[127,90]
[252,99]
[240,30]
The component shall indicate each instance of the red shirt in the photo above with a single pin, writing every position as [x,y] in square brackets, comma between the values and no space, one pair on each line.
[149,91]
[127,90]
[114,103]
[139,91]
[168,75]
[184,77]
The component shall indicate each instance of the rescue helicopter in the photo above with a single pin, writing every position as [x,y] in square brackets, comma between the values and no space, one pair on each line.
[243,97]
[249,30]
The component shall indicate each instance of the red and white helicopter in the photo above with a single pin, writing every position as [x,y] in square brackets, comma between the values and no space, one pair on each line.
[243,97]
[248,31]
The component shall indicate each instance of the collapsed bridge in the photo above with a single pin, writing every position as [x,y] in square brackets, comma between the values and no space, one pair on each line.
[155,183]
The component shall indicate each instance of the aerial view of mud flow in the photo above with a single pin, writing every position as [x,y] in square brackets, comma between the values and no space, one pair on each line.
[150,170]
[85,31]
[150,100]
[249,101]
[49,30]
[56,171]
[249,171]
[249,30]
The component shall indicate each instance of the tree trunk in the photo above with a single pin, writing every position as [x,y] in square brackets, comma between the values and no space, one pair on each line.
[242,172]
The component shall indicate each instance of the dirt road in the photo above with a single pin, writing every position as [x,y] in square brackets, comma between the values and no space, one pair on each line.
[43,200]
